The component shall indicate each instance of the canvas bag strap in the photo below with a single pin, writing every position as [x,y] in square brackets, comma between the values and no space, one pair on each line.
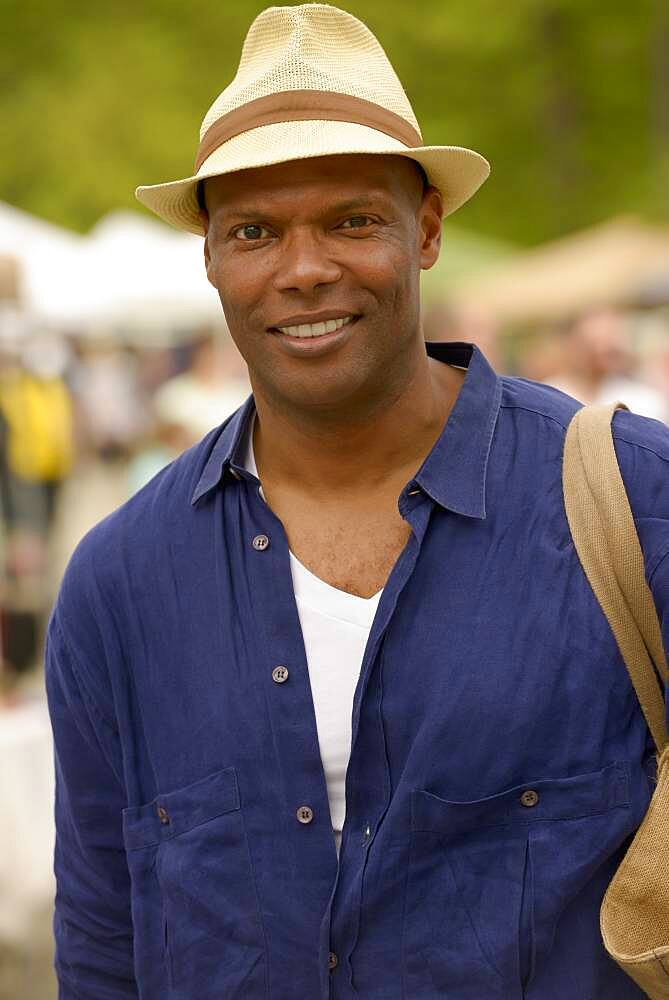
[602,527]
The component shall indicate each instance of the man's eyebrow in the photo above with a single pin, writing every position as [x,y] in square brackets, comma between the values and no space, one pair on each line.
[242,212]
[353,204]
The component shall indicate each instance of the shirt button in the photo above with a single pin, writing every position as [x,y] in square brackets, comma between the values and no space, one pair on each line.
[260,542]
[162,814]
[332,961]
[529,798]
[280,674]
[305,814]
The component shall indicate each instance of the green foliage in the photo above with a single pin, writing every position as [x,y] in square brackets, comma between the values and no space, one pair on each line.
[566,98]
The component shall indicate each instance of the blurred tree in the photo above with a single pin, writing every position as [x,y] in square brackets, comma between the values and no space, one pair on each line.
[569,99]
[660,94]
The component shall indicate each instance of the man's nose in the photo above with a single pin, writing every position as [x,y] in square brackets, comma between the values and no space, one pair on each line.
[304,263]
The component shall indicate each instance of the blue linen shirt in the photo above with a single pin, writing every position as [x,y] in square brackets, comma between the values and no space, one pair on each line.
[183,870]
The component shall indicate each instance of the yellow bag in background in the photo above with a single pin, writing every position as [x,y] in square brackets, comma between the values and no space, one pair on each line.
[38,414]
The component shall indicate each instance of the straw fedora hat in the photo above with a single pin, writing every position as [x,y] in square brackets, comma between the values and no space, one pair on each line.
[312,81]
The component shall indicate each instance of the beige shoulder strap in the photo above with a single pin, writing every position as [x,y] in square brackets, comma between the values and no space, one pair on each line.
[602,527]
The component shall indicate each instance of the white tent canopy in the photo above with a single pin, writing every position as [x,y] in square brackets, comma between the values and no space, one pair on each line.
[148,275]
[128,272]
[47,258]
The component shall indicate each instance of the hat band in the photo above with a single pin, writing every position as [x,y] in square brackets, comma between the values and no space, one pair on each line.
[305,105]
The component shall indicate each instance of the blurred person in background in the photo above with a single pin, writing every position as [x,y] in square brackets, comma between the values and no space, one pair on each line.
[214,384]
[191,403]
[111,406]
[37,457]
[465,321]
[653,341]
[598,364]
[37,410]
[542,357]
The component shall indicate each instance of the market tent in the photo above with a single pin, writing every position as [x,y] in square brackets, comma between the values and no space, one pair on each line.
[128,274]
[605,265]
[47,259]
[464,255]
[148,277]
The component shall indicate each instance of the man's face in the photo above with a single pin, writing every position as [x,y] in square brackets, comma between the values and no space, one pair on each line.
[297,248]
[600,343]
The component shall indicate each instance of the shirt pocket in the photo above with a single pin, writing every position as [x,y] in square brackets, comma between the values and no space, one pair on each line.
[489,878]
[196,914]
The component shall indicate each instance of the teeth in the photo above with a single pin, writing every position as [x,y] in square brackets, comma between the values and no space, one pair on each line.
[315,329]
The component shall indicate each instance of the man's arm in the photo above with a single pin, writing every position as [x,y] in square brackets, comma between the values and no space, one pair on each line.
[92,921]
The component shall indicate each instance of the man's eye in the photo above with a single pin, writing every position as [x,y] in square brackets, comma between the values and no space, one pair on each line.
[357,222]
[251,232]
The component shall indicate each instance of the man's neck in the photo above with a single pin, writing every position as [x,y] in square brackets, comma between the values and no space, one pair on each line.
[323,457]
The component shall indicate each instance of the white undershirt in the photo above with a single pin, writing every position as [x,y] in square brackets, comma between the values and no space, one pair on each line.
[335,627]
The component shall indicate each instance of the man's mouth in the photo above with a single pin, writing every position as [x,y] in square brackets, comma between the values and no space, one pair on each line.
[319,329]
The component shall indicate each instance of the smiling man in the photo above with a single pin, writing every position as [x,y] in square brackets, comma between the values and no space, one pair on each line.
[324,307]
[336,713]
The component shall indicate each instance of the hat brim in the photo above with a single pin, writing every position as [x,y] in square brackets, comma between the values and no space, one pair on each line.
[457,172]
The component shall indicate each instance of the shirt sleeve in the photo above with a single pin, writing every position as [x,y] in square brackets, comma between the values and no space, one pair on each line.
[92,920]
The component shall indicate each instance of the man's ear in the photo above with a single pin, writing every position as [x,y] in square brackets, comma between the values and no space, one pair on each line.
[204,219]
[429,220]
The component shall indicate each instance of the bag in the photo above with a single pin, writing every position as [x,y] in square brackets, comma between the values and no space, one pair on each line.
[634,916]
[39,418]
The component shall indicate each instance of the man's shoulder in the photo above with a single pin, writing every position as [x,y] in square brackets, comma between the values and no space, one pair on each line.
[639,432]
[641,446]
[641,443]
[541,400]
[530,400]
[127,540]
[165,497]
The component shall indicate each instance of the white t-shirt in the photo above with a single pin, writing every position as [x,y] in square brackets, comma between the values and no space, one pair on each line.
[335,627]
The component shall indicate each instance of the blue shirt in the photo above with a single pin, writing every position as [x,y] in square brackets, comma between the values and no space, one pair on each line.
[499,761]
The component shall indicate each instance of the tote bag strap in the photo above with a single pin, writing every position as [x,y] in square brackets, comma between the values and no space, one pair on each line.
[602,527]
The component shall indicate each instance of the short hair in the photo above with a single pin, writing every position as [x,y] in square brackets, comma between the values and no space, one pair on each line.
[423,175]
[199,191]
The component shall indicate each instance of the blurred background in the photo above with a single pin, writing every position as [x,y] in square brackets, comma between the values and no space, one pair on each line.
[114,355]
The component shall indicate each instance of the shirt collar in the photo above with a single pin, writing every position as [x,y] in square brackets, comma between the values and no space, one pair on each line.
[453,473]
[225,449]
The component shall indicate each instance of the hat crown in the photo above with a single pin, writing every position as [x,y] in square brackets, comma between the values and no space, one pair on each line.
[311,47]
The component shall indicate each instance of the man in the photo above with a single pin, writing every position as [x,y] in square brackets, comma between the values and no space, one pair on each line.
[598,363]
[336,713]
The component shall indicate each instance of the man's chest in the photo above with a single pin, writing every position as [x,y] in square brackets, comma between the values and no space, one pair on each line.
[483,630]
[351,549]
